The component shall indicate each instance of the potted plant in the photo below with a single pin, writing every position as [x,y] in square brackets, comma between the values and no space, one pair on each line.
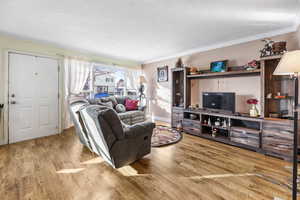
[253,111]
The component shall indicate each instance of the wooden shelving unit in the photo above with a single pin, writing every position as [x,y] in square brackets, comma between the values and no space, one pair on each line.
[255,72]
[271,136]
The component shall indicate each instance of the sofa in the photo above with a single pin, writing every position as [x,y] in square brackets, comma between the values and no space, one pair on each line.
[101,130]
[129,117]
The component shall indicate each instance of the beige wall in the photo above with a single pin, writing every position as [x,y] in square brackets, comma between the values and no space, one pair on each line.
[12,43]
[298,36]
[159,93]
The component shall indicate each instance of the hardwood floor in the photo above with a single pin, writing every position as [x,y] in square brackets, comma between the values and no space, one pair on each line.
[59,167]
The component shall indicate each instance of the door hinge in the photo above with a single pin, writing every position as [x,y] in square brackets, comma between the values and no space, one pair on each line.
[58,95]
[58,68]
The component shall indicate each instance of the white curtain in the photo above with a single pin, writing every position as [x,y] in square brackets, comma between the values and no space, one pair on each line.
[132,77]
[76,73]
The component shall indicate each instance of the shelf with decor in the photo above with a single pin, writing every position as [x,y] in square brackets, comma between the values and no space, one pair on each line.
[255,72]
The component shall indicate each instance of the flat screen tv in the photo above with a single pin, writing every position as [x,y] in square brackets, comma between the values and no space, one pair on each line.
[219,101]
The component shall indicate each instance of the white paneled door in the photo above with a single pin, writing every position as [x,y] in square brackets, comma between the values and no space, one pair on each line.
[33,97]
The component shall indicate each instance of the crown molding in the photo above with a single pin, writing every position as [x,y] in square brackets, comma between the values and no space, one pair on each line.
[73,51]
[228,43]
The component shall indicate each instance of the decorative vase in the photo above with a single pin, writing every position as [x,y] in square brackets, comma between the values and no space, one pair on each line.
[253,111]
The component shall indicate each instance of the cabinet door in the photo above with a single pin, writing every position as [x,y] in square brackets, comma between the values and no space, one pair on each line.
[177,117]
[192,127]
[278,138]
[245,136]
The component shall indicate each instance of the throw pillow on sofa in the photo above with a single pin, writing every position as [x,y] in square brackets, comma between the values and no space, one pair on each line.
[120,108]
[131,104]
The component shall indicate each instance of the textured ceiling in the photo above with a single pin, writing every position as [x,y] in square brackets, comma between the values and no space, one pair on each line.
[143,30]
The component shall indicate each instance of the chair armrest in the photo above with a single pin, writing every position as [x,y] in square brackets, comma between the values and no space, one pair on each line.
[140,129]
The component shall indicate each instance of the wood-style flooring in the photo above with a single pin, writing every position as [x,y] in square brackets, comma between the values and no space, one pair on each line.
[60,168]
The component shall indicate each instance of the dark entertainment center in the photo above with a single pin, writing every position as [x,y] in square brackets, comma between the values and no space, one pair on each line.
[265,134]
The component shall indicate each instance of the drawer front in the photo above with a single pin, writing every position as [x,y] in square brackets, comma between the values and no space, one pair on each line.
[191,127]
[175,122]
[243,134]
[278,138]
[190,123]
[192,130]
[244,137]
[247,141]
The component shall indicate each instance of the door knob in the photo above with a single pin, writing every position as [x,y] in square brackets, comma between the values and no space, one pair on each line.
[13,102]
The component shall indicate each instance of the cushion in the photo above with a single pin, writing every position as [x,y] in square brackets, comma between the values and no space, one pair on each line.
[131,114]
[111,117]
[131,104]
[124,115]
[120,108]
[135,113]
[108,104]
[110,99]
[121,99]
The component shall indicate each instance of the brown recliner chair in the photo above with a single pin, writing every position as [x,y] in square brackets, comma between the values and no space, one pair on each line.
[102,131]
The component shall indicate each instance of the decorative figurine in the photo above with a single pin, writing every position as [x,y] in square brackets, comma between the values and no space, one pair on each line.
[254,64]
[214,132]
[209,122]
[218,122]
[272,48]
[269,96]
[179,63]
[193,70]
[224,124]
[268,48]
[279,48]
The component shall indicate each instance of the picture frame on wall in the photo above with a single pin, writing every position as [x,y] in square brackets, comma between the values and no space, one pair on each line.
[219,66]
[162,74]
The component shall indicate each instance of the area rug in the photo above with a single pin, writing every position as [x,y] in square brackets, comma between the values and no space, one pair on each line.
[163,136]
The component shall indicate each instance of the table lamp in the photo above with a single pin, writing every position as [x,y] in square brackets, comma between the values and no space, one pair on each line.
[142,81]
[290,65]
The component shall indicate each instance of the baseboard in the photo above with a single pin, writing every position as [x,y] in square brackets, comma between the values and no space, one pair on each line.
[2,143]
[163,119]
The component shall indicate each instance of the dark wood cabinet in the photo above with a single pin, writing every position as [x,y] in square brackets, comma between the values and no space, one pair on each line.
[177,117]
[277,138]
[277,92]
[245,136]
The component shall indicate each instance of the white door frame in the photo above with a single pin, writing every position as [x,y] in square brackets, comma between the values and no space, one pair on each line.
[6,90]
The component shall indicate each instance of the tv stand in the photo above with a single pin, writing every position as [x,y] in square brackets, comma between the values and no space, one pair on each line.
[265,134]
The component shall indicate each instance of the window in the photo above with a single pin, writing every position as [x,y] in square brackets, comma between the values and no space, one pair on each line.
[111,80]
